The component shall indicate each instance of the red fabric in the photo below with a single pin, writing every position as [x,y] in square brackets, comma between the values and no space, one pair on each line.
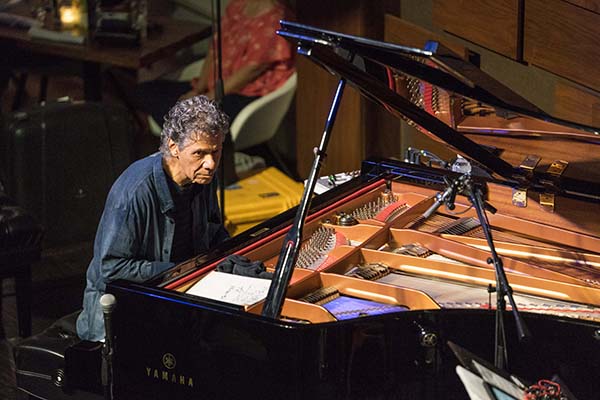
[252,40]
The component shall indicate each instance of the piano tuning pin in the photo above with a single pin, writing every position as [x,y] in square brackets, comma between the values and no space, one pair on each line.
[387,196]
[314,251]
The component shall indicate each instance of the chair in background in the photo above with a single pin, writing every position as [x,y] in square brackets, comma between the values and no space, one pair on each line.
[257,123]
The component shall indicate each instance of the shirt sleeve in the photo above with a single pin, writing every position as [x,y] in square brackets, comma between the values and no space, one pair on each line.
[120,252]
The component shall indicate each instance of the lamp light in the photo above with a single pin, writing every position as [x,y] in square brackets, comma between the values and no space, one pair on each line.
[70,14]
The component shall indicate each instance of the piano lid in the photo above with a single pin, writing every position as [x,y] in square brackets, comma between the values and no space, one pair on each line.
[451,100]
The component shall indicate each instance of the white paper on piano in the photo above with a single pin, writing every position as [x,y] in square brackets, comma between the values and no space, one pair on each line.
[233,289]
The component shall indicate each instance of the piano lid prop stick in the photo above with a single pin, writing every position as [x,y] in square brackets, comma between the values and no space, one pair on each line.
[291,243]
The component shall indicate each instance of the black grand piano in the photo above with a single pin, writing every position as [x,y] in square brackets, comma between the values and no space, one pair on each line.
[380,286]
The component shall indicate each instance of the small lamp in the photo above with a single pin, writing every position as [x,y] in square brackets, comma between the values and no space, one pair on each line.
[70,13]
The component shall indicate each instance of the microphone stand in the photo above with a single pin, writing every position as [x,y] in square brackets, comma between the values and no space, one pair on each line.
[503,289]
[219,93]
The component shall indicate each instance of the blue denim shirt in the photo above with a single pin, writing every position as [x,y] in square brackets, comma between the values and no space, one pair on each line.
[135,234]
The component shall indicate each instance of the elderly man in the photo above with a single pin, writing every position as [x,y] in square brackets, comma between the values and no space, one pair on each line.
[162,210]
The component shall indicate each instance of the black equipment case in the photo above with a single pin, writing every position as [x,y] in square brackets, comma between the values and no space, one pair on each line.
[61,159]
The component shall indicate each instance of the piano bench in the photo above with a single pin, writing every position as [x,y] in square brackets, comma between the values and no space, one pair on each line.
[55,364]
[20,247]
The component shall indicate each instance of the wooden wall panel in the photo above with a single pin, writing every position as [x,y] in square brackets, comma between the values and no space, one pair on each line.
[400,31]
[356,126]
[563,39]
[492,24]
[592,5]
[577,104]
[315,91]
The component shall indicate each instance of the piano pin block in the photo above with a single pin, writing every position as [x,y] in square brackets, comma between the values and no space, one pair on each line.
[382,209]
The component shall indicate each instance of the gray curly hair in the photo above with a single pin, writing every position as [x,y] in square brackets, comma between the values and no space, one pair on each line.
[190,117]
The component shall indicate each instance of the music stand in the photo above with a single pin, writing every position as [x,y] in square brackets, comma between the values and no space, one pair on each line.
[482,380]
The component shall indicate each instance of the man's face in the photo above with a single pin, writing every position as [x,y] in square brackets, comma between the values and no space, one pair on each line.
[198,160]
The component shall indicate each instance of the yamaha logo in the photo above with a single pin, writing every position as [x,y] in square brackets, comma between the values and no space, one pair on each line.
[169,361]
[169,375]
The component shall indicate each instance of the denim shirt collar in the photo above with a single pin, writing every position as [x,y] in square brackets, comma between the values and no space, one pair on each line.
[162,187]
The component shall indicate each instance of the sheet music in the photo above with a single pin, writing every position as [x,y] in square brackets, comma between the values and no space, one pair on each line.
[233,289]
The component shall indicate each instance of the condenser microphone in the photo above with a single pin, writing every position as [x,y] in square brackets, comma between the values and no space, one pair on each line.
[448,196]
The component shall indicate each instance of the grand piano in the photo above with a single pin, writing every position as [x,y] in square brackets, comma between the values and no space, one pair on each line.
[380,287]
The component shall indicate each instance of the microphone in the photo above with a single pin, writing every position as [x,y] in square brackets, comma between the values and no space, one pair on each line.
[108,303]
[448,196]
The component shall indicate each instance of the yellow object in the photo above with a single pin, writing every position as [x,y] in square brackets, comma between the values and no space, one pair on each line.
[259,197]
[70,16]
[70,13]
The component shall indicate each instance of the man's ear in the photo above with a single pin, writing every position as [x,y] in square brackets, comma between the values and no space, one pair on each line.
[173,148]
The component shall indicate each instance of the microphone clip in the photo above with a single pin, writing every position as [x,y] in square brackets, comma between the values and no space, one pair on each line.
[448,196]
